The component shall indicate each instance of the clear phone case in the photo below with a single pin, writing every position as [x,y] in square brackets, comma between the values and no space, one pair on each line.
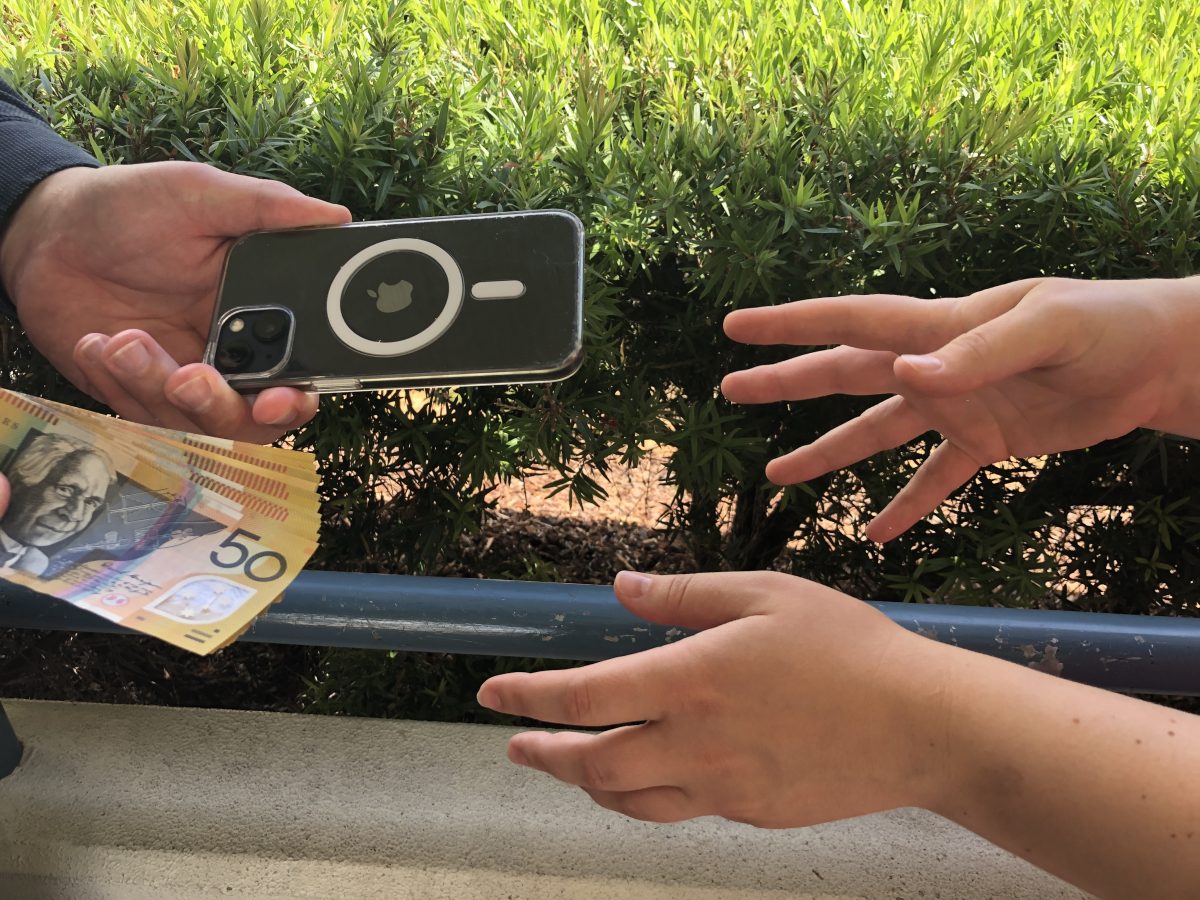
[458,300]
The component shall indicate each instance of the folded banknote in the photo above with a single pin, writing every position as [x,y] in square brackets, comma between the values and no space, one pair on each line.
[180,536]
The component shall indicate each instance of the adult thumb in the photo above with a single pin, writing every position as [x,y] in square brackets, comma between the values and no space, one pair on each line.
[5,494]
[692,601]
[1012,343]
[238,204]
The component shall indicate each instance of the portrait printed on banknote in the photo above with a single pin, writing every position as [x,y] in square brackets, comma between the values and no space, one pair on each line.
[69,504]
[58,484]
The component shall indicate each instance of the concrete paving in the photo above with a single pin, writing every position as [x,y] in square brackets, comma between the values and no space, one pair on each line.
[143,802]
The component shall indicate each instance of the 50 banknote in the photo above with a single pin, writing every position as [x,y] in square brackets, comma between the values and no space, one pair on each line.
[179,536]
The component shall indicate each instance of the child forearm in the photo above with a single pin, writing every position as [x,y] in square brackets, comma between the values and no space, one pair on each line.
[1101,789]
[1182,414]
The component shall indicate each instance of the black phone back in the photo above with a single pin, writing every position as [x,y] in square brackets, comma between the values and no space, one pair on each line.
[459,300]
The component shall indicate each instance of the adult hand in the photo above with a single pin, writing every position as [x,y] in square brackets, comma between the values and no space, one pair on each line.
[1022,370]
[114,272]
[797,705]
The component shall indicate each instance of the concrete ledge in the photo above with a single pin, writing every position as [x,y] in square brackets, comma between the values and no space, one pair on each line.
[139,802]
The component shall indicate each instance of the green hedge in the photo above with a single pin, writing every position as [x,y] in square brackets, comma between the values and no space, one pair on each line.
[720,154]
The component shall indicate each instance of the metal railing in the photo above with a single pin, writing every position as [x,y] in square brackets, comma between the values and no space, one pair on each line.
[1136,654]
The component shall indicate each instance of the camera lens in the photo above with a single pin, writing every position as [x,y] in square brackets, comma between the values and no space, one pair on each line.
[234,357]
[270,326]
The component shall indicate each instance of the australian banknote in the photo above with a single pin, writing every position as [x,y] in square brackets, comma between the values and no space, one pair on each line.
[184,537]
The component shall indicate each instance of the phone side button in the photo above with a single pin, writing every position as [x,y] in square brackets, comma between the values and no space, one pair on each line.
[336,385]
[498,290]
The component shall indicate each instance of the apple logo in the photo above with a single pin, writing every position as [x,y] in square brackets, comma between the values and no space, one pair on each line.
[390,298]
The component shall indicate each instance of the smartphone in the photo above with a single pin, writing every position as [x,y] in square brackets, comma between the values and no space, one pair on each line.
[495,298]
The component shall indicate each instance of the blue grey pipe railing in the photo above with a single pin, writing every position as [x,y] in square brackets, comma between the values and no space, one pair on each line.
[1138,654]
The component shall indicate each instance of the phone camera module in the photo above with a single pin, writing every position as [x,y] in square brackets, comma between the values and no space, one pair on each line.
[234,356]
[255,341]
[271,326]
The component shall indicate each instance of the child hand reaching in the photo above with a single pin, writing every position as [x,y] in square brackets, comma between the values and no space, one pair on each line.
[1024,369]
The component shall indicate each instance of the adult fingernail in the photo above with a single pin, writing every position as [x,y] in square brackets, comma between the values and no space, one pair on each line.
[287,417]
[517,755]
[923,363]
[632,584]
[92,347]
[132,359]
[489,699]
[195,394]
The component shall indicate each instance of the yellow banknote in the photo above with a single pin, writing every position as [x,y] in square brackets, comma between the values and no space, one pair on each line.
[179,536]
[283,487]
[272,462]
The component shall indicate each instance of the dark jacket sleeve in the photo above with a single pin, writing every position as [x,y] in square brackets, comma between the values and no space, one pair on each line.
[30,150]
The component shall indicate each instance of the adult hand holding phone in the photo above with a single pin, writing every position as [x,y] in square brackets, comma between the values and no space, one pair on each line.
[114,273]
